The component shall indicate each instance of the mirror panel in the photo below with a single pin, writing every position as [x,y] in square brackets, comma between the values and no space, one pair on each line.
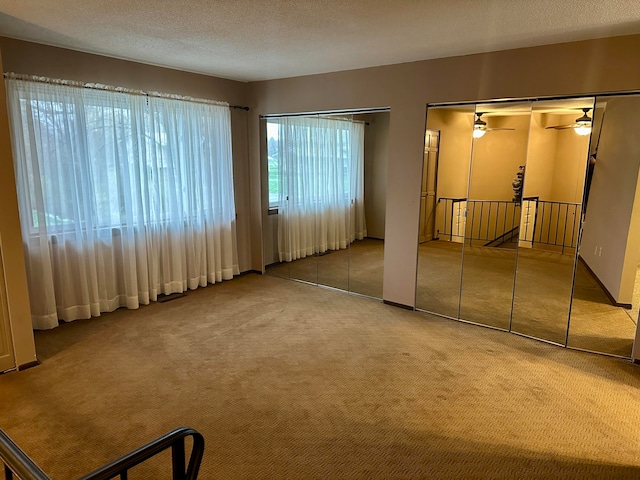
[275,236]
[339,158]
[604,311]
[320,186]
[532,258]
[445,180]
[493,214]
[551,212]
[368,206]
[298,175]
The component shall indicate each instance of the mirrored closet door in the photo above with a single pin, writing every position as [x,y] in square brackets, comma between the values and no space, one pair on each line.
[532,258]
[443,199]
[551,211]
[493,210]
[293,185]
[275,262]
[369,195]
[339,162]
[323,176]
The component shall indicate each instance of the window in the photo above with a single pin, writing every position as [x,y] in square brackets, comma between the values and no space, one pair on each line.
[272,163]
[122,197]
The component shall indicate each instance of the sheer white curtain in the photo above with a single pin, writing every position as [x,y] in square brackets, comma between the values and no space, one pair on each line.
[321,185]
[121,197]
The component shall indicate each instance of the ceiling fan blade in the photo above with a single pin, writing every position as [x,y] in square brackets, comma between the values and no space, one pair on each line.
[562,127]
[493,129]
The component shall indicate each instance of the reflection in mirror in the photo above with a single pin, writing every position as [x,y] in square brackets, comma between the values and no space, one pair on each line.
[366,251]
[275,264]
[550,219]
[493,213]
[340,160]
[317,196]
[604,311]
[445,179]
[296,149]
[512,245]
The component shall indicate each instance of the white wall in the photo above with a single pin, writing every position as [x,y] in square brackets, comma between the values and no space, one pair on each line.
[541,157]
[570,163]
[610,236]
[497,156]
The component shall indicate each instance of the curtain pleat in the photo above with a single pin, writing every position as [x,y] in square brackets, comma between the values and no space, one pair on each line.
[121,197]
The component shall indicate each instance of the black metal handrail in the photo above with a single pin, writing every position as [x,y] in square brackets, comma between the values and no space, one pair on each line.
[497,222]
[484,220]
[488,220]
[557,223]
[173,440]
[17,462]
[448,213]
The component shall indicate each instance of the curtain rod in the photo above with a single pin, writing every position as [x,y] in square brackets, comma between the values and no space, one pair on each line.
[111,88]
[336,118]
[352,111]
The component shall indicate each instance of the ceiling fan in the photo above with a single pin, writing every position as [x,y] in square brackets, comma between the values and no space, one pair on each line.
[582,125]
[480,126]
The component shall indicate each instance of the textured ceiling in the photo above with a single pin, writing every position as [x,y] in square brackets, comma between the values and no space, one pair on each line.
[265,39]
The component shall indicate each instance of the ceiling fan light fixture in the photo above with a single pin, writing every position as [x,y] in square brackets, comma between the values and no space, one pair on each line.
[478,132]
[479,126]
[583,129]
[583,124]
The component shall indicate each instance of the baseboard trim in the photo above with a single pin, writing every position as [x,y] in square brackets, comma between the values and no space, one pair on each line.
[628,306]
[399,305]
[171,296]
[247,272]
[26,366]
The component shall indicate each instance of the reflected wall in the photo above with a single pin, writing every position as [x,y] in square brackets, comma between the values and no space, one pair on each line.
[604,311]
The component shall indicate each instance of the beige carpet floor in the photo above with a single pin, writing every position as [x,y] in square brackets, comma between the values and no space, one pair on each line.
[287,380]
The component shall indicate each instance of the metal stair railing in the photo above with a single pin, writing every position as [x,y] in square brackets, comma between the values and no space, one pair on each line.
[18,463]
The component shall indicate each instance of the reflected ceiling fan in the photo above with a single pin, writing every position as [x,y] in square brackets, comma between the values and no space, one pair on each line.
[582,125]
[480,126]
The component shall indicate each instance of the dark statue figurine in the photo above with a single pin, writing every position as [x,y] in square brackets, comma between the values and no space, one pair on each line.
[517,185]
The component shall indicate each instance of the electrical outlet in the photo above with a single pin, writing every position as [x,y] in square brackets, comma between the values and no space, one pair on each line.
[600,251]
